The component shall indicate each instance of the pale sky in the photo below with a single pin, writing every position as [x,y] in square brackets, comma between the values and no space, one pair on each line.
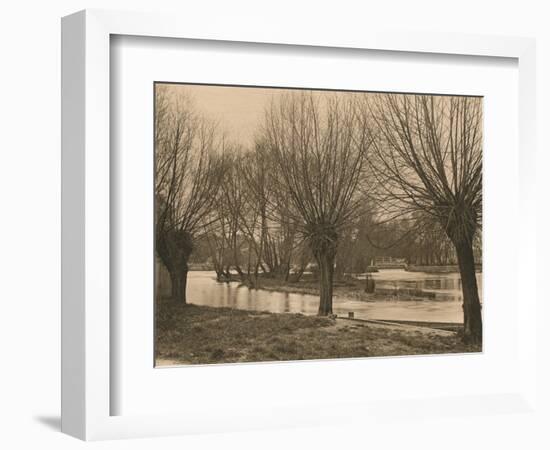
[238,110]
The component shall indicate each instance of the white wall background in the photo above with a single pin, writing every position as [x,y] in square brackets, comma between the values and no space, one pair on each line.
[30,222]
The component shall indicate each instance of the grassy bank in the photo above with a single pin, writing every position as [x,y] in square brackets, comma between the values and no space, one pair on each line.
[189,334]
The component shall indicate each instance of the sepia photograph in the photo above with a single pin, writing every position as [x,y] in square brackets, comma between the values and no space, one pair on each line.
[304,224]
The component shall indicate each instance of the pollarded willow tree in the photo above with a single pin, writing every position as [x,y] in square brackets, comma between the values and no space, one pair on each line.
[189,170]
[428,158]
[317,147]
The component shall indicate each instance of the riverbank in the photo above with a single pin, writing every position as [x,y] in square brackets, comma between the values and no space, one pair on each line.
[190,334]
[438,269]
[348,287]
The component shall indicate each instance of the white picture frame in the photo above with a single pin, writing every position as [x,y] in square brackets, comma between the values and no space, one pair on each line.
[86,220]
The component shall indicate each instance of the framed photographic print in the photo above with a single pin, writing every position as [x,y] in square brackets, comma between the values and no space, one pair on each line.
[272,218]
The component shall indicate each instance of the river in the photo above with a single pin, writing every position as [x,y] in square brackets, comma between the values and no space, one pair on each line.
[203,289]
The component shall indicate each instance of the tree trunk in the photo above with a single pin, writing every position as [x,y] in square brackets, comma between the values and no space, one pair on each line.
[325,260]
[297,276]
[369,285]
[471,304]
[178,279]
[339,271]
[174,249]
[240,273]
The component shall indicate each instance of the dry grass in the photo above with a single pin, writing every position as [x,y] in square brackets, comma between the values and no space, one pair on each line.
[189,334]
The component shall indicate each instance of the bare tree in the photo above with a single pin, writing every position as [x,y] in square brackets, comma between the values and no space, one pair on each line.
[236,213]
[428,158]
[189,168]
[254,223]
[256,240]
[317,146]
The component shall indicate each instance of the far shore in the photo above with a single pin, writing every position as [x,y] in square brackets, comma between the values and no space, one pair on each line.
[348,287]
[437,269]
[449,268]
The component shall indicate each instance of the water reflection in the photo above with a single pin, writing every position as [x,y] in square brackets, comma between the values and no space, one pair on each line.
[203,289]
[445,286]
